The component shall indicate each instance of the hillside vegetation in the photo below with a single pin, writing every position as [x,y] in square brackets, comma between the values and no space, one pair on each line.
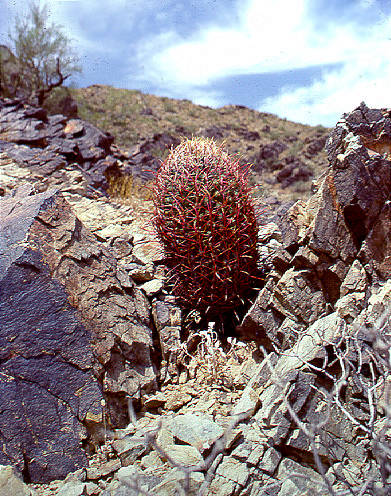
[286,156]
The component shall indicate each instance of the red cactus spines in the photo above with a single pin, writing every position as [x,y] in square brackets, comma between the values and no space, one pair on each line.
[204,216]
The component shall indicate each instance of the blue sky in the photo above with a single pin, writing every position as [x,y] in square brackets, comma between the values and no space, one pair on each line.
[306,60]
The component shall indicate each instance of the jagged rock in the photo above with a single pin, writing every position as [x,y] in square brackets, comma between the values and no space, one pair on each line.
[55,277]
[231,476]
[167,318]
[184,456]
[152,287]
[355,280]
[328,262]
[129,480]
[294,170]
[375,251]
[271,151]
[212,132]
[53,142]
[129,448]
[262,321]
[68,106]
[195,429]
[315,145]
[270,461]
[176,478]
[308,481]
[299,296]
[12,175]
[349,306]
[251,444]
[249,135]
[107,468]
[141,162]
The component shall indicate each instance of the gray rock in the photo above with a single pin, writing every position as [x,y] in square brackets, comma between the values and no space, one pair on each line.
[184,456]
[72,488]
[297,480]
[129,449]
[58,142]
[131,481]
[252,444]
[298,295]
[231,476]
[262,321]
[270,461]
[167,319]
[152,287]
[350,305]
[176,481]
[375,252]
[100,471]
[196,429]
[11,484]
[355,281]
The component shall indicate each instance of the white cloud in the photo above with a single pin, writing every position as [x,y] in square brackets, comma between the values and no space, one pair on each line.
[366,78]
[271,36]
[278,36]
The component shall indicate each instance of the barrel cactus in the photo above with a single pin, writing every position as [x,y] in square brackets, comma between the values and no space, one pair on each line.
[204,216]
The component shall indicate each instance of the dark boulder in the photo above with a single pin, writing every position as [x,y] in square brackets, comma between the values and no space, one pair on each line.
[74,331]
[46,144]
[294,170]
[271,151]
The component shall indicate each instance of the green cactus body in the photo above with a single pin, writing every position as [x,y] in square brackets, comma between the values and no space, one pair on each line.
[205,219]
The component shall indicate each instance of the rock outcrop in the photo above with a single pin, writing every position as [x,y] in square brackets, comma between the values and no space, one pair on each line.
[47,145]
[297,402]
[74,330]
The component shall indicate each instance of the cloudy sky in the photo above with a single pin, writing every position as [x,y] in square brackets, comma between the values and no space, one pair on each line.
[306,60]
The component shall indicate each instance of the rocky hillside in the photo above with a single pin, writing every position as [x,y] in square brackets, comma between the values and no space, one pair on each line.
[109,388]
[286,156]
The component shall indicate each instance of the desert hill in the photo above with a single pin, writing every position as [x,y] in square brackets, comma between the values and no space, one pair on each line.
[286,156]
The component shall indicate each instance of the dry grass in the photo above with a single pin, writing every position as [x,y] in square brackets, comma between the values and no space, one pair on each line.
[132,116]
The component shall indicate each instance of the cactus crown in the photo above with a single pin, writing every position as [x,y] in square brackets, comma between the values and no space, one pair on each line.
[205,219]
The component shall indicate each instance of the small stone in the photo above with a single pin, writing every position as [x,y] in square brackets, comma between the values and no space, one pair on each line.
[270,461]
[74,127]
[175,478]
[138,272]
[152,287]
[92,489]
[151,461]
[110,231]
[176,399]
[155,401]
[198,430]
[129,448]
[184,456]
[71,488]
[107,468]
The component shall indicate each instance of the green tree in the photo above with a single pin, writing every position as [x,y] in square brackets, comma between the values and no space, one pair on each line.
[42,53]
[9,72]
